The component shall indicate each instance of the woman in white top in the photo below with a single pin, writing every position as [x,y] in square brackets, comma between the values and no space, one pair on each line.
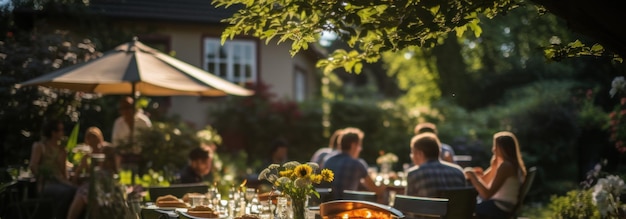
[499,185]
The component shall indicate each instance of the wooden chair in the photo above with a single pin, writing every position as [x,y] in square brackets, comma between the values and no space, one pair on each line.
[462,202]
[178,190]
[530,177]
[359,195]
[421,207]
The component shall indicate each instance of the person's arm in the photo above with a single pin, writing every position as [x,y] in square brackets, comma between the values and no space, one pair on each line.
[379,190]
[115,133]
[63,167]
[487,190]
[78,205]
[489,174]
[35,158]
[83,166]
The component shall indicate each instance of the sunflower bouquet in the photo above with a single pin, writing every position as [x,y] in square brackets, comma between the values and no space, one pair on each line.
[296,179]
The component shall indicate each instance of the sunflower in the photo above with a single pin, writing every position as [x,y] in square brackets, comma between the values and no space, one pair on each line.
[317,178]
[286,173]
[328,175]
[303,170]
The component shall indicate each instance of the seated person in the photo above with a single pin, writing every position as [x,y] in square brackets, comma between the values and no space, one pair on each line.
[199,167]
[499,185]
[430,174]
[48,162]
[447,152]
[349,171]
[333,145]
[109,193]
[95,140]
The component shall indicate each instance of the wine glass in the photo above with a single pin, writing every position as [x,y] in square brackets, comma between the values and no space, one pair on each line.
[248,195]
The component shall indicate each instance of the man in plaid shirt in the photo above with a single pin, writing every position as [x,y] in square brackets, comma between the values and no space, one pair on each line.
[431,174]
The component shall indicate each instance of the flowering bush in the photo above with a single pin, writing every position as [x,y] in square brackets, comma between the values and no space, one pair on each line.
[617,125]
[386,158]
[606,196]
[295,179]
[601,200]
[209,136]
[617,118]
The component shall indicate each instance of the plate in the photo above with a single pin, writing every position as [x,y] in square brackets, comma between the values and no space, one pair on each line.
[184,213]
[154,207]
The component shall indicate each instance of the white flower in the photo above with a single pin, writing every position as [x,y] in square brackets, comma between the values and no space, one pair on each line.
[617,85]
[313,165]
[387,158]
[606,194]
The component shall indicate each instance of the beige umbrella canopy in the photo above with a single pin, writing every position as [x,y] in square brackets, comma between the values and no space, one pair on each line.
[136,68]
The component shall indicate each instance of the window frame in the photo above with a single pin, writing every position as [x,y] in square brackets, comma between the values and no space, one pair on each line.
[225,58]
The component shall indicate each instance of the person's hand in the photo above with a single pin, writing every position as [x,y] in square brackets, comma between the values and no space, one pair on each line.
[479,171]
[468,171]
[448,157]
[495,161]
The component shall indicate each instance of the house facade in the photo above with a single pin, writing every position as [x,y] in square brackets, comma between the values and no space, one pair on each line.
[190,30]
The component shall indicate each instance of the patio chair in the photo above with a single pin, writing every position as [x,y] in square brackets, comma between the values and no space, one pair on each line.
[178,190]
[462,202]
[530,177]
[359,195]
[421,207]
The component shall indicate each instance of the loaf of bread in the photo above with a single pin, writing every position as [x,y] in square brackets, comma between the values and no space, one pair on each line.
[203,211]
[170,201]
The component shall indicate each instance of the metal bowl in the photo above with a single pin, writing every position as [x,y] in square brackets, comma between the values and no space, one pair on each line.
[332,208]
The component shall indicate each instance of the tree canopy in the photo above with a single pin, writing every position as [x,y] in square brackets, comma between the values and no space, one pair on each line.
[371,27]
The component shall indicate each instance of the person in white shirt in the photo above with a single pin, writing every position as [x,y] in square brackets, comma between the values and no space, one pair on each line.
[121,127]
[498,186]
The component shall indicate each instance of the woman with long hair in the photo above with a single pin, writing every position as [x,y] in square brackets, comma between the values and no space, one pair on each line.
[95,141]
[499,185]
[48,160]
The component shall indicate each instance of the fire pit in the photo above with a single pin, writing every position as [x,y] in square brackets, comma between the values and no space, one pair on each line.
[343,209]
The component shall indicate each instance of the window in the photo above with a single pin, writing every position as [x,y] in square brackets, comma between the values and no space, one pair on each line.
[235,61]
[299,85]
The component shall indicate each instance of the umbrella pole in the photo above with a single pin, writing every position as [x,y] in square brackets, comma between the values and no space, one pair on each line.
[135,166]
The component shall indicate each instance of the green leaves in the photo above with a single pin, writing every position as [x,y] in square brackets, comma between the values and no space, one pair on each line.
[557,52]
[369,27]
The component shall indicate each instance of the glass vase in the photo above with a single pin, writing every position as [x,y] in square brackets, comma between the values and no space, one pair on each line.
[298,207]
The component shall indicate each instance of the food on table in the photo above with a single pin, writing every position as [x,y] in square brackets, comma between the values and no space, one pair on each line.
[170,201]
[202,211]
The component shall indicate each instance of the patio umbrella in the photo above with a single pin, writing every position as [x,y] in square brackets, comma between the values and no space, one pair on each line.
[133,68]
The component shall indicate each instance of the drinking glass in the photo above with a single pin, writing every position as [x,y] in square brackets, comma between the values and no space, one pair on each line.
[250,193]
[392,197]
[197,200]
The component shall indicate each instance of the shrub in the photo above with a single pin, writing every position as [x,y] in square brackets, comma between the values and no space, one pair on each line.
[576,204]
